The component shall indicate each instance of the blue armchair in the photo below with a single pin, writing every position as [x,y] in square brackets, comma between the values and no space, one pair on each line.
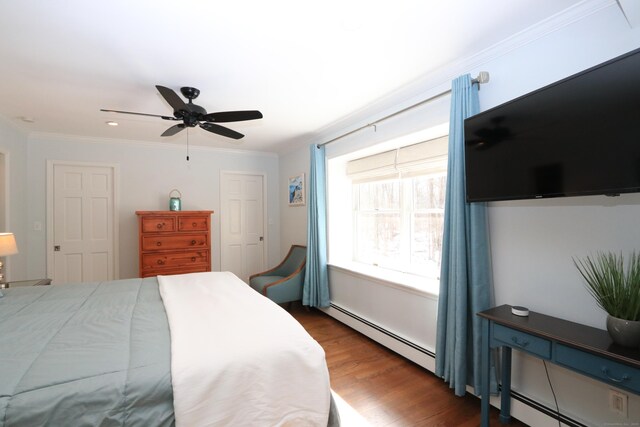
[283,283]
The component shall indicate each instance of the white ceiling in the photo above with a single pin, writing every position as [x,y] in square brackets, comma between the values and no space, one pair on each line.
[304,65]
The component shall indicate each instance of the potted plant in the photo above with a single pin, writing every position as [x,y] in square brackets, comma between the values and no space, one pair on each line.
[616,288]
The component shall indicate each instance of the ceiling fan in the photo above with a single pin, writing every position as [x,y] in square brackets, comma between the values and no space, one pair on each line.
[192,115]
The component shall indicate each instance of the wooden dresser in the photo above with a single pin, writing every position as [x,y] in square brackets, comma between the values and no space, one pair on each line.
[174,242]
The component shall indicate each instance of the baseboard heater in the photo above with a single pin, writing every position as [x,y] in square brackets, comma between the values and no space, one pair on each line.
[384,331]
[546,410]
[570,422]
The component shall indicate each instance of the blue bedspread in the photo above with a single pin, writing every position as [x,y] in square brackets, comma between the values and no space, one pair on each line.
[91,354]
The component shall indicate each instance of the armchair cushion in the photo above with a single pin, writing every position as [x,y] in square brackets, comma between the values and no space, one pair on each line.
[259,282]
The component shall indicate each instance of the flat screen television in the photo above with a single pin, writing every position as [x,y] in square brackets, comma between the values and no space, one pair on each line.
[579,136]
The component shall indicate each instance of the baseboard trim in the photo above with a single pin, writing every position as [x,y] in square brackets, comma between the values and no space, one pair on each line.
[531,411]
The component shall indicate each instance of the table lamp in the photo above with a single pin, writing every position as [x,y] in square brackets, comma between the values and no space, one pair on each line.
[7,247]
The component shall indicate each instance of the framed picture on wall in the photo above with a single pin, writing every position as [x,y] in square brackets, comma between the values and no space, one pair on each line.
[296,190]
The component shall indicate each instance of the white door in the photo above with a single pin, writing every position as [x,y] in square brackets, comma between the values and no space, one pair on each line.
[81,223]
[242,224]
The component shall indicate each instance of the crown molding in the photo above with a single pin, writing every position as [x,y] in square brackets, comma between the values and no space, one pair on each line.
[439,80]
[56,137]
[543,28]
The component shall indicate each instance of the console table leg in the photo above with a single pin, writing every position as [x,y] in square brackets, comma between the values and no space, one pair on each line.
[505,394]
[484,386]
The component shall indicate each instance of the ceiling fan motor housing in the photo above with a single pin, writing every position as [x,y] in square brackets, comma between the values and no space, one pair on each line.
[195,113]
[190,92]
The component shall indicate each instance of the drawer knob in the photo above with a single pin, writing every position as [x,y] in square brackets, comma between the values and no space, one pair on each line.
[195,224]
[605,371]
[160,262]
[193,242]
[160,225]
[158,243]
[193,259]
[522,343]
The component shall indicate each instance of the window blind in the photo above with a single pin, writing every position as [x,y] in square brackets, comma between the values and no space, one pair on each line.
[423,157]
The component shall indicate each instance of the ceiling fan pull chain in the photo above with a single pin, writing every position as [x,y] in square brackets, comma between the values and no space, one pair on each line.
[187,145]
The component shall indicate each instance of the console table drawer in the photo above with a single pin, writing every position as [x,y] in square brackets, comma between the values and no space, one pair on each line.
[522,341]
[600,368]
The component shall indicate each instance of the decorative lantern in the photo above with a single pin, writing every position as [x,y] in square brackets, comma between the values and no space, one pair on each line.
[174,202]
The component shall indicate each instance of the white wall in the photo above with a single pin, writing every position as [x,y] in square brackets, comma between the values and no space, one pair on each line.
[13,144]
[293,219]
[148,172]
[533,242]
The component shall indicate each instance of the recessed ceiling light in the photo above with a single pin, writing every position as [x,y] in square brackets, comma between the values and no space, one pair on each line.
[112,123]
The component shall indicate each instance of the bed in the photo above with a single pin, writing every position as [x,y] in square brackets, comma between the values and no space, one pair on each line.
[185,350]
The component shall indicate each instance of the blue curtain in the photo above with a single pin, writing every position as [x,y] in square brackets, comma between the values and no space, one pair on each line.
[315,292]
[465,277]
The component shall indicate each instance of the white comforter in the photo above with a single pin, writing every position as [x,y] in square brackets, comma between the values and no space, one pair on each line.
[238,359]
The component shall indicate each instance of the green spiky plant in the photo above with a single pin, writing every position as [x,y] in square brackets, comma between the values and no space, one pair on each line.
[615,287]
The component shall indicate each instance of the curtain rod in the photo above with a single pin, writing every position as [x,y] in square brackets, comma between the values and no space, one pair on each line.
[483,77]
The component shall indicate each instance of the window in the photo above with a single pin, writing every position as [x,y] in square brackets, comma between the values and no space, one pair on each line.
[398,208]
[398,223]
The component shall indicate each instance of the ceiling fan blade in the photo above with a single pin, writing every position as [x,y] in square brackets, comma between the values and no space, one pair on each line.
[138,114]
[173,130]
[233,116]
[221,130]
[172,98]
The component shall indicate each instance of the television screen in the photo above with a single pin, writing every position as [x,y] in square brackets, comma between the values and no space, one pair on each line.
[579,136]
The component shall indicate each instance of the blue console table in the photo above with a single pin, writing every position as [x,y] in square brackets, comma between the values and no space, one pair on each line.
[586,350]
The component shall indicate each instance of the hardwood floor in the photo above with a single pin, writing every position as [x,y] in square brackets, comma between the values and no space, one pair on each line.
[383,388]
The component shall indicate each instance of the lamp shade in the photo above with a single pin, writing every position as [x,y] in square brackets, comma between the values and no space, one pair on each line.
[8,244]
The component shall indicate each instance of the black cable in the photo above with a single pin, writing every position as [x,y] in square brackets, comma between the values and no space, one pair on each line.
[544,362]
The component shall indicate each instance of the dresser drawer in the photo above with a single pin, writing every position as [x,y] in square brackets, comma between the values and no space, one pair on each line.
[600,368]
[174,241]
[193,223]
[178,270]
[522,341]
[158,224]
[160,260]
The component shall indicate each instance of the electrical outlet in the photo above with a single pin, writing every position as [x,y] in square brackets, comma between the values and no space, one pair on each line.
[618,403]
